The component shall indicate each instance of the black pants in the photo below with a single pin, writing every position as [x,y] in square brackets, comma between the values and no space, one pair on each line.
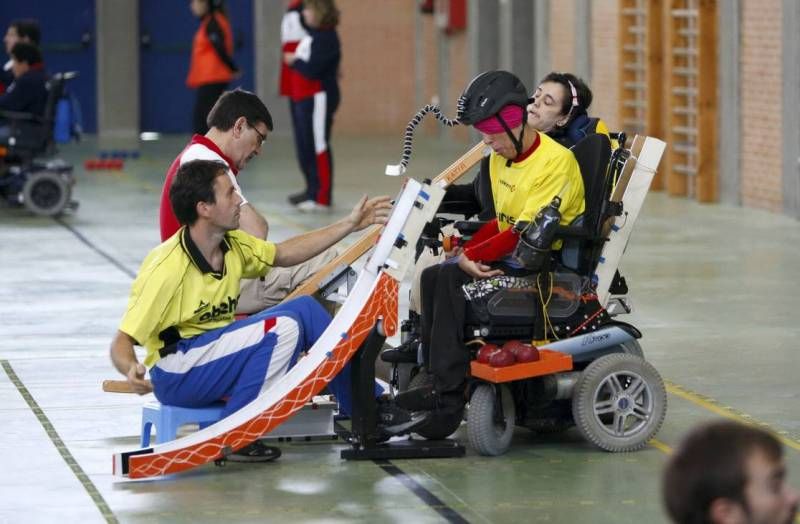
[444,309]
[205,99]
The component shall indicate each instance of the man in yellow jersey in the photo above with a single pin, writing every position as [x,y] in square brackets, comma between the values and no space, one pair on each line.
[525,170]
[182,303]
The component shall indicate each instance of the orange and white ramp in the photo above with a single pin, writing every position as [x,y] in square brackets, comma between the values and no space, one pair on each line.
[372,299]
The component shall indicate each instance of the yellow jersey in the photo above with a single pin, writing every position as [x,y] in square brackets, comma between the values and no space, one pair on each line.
[178,295]
[523,188]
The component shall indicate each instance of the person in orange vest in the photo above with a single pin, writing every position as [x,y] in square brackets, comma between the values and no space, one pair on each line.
[212,67]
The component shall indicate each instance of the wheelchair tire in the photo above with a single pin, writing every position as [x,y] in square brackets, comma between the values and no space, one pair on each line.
[46,193]
[619,402]
[487,434]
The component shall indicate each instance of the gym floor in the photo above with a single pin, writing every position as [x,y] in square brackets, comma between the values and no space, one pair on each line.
[714,290]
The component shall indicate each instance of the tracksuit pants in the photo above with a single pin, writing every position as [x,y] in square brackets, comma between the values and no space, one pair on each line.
[312,118]
[244,358]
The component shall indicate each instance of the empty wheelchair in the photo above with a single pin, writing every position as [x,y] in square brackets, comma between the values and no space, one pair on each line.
[30,175]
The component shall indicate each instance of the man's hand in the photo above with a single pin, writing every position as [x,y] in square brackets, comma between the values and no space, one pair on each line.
[367,212]
[476,269]
[289,58]
[137,381]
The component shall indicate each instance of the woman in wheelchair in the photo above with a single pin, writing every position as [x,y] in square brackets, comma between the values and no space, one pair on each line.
[28,92]
[559,108]
[525,172]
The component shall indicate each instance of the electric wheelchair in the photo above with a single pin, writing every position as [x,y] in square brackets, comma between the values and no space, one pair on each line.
[592,372]
[30,176]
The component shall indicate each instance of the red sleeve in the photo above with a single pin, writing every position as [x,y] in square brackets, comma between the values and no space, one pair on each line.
[166,216]
[489,229]
[492,248]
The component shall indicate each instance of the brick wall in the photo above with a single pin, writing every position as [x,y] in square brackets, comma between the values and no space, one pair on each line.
[377,72]
[761,95]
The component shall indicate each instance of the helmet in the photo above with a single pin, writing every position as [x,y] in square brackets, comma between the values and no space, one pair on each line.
[488,93]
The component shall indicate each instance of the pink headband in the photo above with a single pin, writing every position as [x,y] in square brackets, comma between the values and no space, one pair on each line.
[511,114]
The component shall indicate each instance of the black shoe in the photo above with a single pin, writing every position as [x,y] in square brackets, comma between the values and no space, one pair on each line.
[255,452]
[298,197]
[420,398]
[426,398]
[394,420]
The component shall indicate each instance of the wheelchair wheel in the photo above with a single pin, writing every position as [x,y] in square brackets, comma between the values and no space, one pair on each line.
[491,421]
[619,402]
[46,193]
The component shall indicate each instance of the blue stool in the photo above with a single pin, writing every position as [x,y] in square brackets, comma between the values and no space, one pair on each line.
[167,419]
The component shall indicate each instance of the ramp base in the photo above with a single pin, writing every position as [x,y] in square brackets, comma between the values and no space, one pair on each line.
[406,449]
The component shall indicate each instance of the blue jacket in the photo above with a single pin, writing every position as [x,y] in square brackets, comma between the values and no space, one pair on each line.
[26,94]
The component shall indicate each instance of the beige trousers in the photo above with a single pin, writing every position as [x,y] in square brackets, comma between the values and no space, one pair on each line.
[261,293]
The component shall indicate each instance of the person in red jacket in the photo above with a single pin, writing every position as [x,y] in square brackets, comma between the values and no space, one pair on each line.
[212,67]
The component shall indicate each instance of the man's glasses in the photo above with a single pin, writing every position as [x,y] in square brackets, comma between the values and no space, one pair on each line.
[262,137]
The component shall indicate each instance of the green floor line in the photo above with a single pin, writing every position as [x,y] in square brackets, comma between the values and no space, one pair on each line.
[84,479]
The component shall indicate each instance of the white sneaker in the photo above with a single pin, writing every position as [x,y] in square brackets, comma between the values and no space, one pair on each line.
[312,206]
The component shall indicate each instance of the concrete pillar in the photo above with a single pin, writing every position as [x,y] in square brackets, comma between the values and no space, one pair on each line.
[583,40]
[267,30]
[541,39]
[117,30]
[791,107]
[517,39]
[483,18]
[729,102]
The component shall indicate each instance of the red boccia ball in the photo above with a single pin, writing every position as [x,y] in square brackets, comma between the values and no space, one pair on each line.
[486,351]
[527,353]
[501,358]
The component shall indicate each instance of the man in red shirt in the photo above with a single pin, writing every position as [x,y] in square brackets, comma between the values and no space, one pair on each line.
[238,125]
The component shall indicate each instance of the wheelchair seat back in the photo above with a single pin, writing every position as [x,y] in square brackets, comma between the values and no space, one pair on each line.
[32,135]
[593,154]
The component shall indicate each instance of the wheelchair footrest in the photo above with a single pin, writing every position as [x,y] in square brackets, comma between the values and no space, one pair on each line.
[549,362]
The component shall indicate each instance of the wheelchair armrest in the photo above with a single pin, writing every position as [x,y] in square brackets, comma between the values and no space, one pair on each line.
[459,207]
[573,233]
[468,228]
[16,115]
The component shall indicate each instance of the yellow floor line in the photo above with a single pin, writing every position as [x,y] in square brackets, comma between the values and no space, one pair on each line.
[730,413]
[660,446]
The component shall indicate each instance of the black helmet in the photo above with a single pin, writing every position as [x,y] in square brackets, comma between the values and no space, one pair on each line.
[488,93]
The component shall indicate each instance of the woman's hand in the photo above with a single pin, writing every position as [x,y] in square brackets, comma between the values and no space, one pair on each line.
[476,269]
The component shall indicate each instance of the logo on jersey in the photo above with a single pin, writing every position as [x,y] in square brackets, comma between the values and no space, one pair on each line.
[510,187]
[508,219]
[201,307]
[224,309]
